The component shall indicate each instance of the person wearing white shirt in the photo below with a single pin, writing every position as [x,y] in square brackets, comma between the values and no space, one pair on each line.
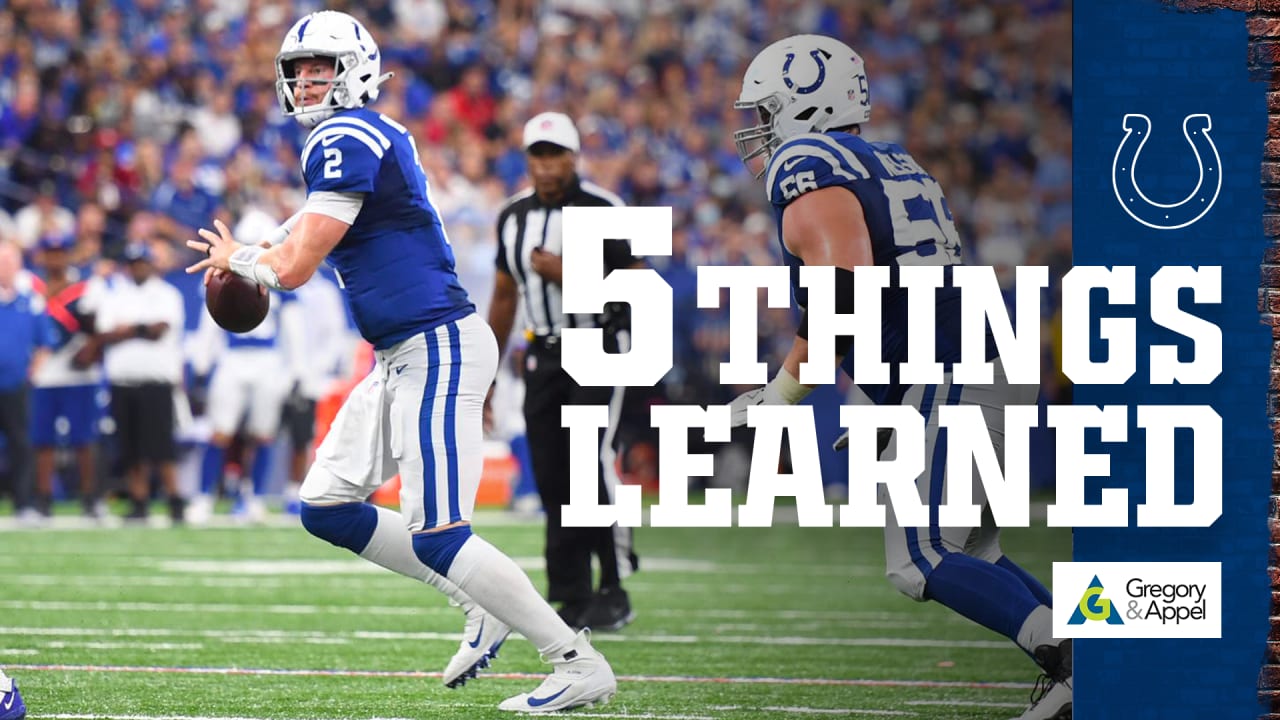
[140,325]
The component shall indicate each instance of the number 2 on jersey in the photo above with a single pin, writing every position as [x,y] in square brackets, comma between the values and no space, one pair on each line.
[332,163]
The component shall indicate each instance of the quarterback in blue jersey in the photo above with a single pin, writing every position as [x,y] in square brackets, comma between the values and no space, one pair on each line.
[419,412]
[846,202]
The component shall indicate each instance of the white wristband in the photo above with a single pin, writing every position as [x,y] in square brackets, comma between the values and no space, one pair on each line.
[244,262]
[785,390]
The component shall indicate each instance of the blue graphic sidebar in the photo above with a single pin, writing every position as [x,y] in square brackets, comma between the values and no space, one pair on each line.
[1142,58]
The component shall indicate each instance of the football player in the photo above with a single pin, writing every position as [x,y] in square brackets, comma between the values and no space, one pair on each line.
[254,373]
[369,212]
[845,202]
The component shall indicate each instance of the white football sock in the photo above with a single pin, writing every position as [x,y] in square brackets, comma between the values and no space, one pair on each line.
[1037,629]
[498,584]
[392,547]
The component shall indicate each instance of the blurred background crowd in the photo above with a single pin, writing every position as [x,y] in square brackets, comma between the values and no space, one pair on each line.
[126,121]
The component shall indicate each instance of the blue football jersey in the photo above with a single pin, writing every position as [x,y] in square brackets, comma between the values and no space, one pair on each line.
[394,265]
[907,217]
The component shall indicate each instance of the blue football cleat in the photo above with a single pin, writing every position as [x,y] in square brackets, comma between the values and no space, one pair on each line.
[11,705]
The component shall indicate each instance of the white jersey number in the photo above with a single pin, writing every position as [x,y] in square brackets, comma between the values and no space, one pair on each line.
[332,163]
[936,228]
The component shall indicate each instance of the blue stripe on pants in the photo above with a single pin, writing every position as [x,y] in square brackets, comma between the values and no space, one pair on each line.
[913,540]
[424,429]
[451,421]
[939,476]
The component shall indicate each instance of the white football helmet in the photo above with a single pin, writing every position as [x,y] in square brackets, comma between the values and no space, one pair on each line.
[357,65]
[804,83]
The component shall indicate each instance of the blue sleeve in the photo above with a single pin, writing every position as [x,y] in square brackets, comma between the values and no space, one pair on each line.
[809,162]
[341,159]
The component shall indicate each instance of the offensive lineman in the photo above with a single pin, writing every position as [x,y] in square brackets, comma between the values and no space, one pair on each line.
[843,201]
[369,212]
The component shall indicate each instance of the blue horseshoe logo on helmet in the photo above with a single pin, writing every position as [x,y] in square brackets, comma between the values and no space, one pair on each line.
[822,73]
[1171,216]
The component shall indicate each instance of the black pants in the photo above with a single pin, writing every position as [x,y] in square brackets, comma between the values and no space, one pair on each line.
[144,423]
[569,549]
[15,425]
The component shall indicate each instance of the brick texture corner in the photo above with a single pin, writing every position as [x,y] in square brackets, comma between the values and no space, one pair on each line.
[1263,22]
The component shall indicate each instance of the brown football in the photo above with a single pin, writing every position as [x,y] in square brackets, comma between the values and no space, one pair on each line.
[235,303]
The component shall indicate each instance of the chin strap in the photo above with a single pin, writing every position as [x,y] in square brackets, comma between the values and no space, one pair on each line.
[373,91]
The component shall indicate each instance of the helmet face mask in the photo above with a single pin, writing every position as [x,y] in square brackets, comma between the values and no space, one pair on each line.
[292,101]
[357,65]
[756,143]
[801,84]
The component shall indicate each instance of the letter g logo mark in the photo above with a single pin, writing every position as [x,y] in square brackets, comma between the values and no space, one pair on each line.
[1093,606]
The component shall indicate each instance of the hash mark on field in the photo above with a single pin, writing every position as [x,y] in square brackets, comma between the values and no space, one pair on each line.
[687,679]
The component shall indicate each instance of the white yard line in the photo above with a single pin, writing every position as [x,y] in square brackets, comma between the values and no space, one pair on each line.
[338,637]
[967,703]
[95,645]
[838,712]
[350,565]
[99,716]
[685,679]
[767,617]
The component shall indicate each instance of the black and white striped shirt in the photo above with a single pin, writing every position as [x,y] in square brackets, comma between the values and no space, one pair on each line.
[524,223]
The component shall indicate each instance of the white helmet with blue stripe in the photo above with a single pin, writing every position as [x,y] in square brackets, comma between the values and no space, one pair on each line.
[801,84]
[357,65]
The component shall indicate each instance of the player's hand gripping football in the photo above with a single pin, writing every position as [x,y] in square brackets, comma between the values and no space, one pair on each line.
[218,247]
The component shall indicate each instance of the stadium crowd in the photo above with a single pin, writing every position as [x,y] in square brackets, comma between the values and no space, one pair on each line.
[139,121]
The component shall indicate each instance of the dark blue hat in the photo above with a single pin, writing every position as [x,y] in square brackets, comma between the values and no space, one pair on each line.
[56,241]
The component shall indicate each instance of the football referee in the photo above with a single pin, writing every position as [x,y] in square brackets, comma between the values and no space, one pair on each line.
[528,269]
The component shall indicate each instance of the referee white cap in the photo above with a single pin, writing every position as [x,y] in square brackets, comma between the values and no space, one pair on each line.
[552,127]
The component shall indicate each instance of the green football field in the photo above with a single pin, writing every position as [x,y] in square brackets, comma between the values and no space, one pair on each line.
[268,622]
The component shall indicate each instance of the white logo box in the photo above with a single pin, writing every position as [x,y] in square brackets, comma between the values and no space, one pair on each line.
[1131,587]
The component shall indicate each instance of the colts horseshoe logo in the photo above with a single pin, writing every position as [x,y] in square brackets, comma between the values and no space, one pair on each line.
[1162,216]
[822,72]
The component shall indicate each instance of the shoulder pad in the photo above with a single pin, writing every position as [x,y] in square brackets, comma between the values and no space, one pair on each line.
[811,161]
[343,154]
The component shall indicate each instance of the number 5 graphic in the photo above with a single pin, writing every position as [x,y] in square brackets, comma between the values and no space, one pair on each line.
[1163,216]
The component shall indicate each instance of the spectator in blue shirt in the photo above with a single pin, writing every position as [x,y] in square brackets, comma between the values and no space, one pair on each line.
[182,205]
[24,325]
